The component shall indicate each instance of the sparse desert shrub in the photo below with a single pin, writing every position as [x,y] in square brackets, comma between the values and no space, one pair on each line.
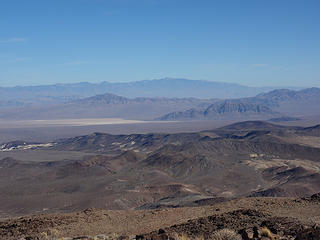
[43,236]
[183,236]
[265,232]
[175,236]
[51,234]
[199,238]
[226,234]
[112,236]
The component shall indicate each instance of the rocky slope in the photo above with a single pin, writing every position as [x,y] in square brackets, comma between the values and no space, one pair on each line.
[286,218]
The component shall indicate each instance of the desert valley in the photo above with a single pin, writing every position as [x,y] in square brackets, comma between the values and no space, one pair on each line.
[159,120]
[205,162]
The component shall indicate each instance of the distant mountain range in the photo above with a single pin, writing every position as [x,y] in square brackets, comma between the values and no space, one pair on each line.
[105,106]
[278,105]
[167,87]
[226,109]
[275,104]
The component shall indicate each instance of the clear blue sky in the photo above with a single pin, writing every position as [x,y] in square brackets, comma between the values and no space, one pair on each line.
[251,42]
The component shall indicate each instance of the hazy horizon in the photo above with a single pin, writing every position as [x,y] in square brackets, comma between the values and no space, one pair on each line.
[156,79]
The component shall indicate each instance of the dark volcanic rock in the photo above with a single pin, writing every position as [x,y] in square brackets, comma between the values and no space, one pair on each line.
[241,221]
[309,234]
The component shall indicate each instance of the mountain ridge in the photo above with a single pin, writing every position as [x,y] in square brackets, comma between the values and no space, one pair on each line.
[165,87]
[279,105]
[273,104]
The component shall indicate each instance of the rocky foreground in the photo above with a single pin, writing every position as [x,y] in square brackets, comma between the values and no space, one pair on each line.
[246,218]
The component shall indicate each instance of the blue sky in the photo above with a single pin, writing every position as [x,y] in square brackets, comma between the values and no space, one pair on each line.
[251,42]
